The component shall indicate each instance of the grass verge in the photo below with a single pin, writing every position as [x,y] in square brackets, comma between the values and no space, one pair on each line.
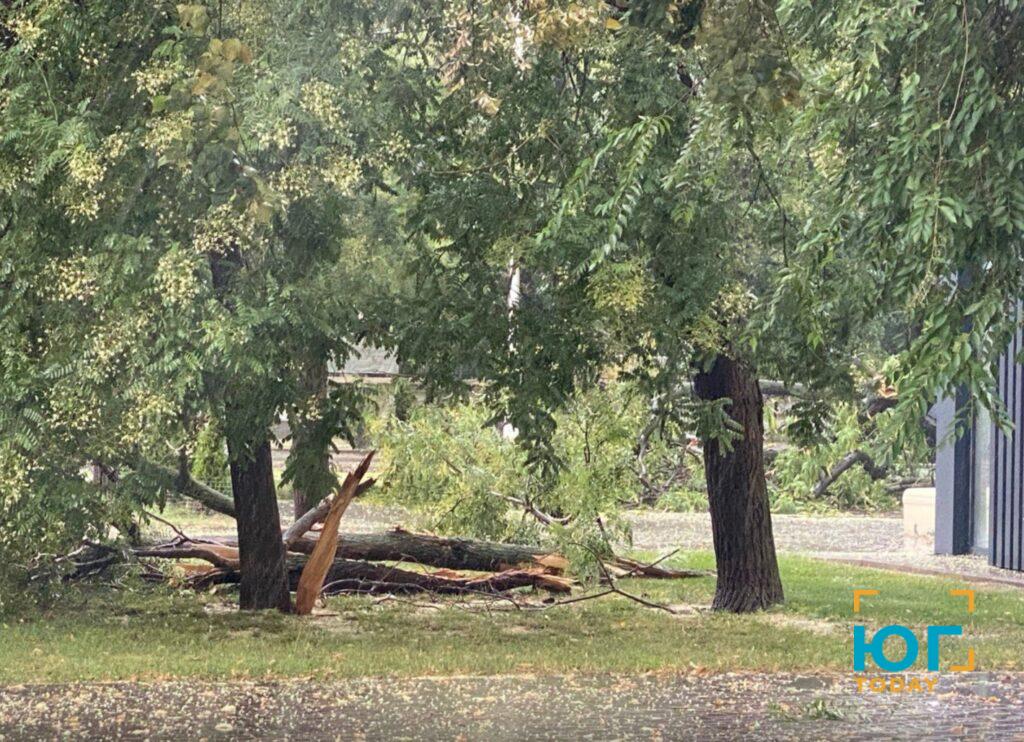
[147,633]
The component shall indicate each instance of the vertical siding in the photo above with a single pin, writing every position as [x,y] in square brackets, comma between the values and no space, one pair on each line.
[997,514]
[1016,469]
[1006,545]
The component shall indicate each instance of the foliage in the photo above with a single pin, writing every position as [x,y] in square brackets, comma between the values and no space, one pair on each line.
[910,131]
[692,499]
[449,463]
[798,469]
[189,221]
[202,206]
[210,458]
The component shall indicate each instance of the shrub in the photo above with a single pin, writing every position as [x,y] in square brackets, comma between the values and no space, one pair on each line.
[451,465]
[210,459]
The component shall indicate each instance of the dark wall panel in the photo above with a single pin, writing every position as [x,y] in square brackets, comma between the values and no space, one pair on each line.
[1007,507]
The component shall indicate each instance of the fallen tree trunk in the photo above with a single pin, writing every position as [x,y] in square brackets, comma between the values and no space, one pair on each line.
[355,576]
[396,545]
[346,575]
[399,545]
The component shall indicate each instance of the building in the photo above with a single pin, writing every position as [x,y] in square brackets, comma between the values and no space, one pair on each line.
[979,475]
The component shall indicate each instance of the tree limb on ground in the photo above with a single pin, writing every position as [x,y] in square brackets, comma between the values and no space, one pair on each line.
[347,575]
[353,564]
[846,463]
[400,545]
[395,545]
[623,567]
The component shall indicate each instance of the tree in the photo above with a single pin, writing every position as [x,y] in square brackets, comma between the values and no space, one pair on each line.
[581,154]
[195,218]
[688,197]
[748,573]
[912,127]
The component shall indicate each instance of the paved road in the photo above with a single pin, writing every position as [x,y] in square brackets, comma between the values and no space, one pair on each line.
[724,706]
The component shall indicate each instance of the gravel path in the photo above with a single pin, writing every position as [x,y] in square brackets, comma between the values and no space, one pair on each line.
[723,706]
[971,567]
[867,541]
[846,533]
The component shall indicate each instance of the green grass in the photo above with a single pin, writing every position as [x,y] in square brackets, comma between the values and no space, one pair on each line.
[192,520]
[155,633]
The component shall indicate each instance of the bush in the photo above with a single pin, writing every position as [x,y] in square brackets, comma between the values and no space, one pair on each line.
[684,500]
[46,511]
[451,466]
[210,460]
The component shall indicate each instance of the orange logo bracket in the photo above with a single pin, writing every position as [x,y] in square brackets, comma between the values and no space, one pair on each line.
[857,595]
[969,594]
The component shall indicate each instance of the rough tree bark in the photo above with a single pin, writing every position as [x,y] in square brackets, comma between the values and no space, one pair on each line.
[314,484]
[264,579]
[345,575]
[741,523]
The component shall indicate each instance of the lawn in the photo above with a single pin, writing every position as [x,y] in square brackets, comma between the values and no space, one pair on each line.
[148,633]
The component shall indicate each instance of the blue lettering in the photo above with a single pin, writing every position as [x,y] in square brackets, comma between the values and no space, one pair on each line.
[876,648]
[934,633]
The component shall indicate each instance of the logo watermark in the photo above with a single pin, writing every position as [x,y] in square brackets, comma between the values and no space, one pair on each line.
[900,661]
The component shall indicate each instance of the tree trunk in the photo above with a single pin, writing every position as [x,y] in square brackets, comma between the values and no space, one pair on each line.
[450,553]
[741,523]
[299,505]
[349,576]
[309,445]
[264,579]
